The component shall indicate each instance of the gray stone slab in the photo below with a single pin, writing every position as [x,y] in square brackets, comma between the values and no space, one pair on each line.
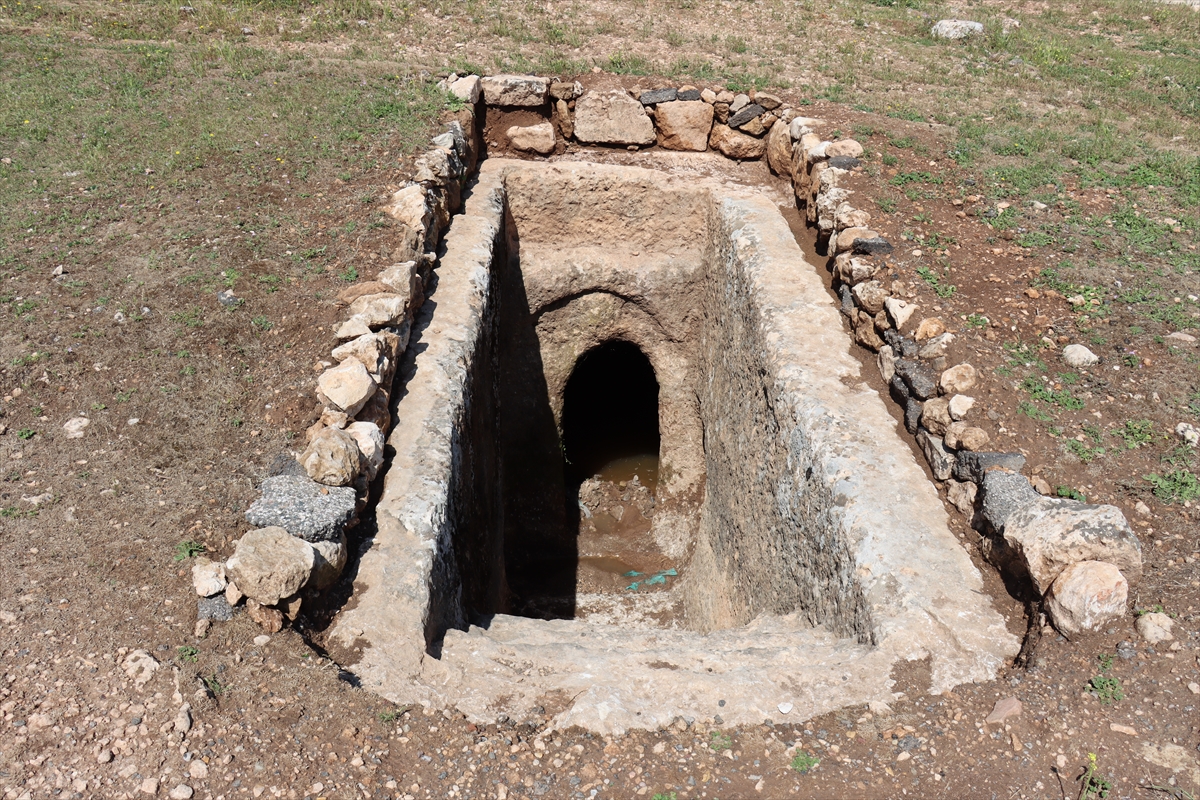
[655,96]
[972,466]
[303,507]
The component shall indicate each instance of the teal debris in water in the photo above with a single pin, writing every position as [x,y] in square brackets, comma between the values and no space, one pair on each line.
[658,579]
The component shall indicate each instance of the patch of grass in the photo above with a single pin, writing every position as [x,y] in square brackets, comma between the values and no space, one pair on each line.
[1058,397]
[214,686]
[1135,433]
[1106,688]
[663,796]
[720,741]
[935,282]
[804,762]
[920,176]
[25,434]
[392,714]
[1069,493]
[1081,451]
[188,654]
[977,321]
[886,205]
[262,323]
[188,549]
[1178,485]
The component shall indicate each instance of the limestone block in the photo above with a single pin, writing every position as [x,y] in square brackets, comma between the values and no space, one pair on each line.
[899,311]
[563,120]
[844,147]
[870,296]
[533,138]
[563,90]
[612,117]
[737,145]
[887,363]
[684,124]
[1003,493]
[1085,596]
[961,436]
[346,387]
[941,460]
[352,328]
[960,406]
[381,310]
[955,29]
[376,351]
[514,90]
[936,416]
[329,559]
[466,89]
[1076,356]
[332,458]
[1155,627]
[852,271]
[378,410]
[369,438]
[847,216]
[929,328]
[958,379]
[270,564]
[961,495]
[846,239]
[937,347]
[1049,535]
[208,577]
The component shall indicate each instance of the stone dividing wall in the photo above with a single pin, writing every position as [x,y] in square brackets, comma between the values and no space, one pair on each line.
[769,540]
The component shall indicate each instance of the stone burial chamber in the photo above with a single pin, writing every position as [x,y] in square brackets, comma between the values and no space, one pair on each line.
[639,476]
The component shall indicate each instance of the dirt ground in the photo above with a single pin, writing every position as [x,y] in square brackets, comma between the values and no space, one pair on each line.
[190,402]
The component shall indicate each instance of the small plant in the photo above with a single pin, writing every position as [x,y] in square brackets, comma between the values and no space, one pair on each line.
[1092,783]
[188,549]
[349,274]
[978,321]
[1066,492]
[719,741]
[1176,485]
[262,323]
[98,406]
[663,796]
[1058,397]
[26,434]
[886,205]
[188,654]
[214,686]
[1106,688]
[805,762]
[935,282]
[1157,608]
[389,716]
[1081,451]
[36,411]
[1135,433]
[1033,412]
[890,160]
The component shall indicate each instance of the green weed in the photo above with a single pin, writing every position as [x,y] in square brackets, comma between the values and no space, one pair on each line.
[720,741]
[1178,485]
[188,654]
[1135,433]
[1068,493]
[188,549]
[804,762]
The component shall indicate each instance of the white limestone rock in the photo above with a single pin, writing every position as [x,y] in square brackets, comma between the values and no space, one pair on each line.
[514,90]
[612,117]
[270,564]
[538,138]
[1155,627]
[208,577]
[955,29]
[1077,356]
[466,89]
[1085,596]
[369,439]
[346,387]
[332,458]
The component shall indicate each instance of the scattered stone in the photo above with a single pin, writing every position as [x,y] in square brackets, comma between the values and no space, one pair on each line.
[779,149]
[269,564]
[269,619]
[768,101]
[139,667]
[197,770]
[887,363]
[1180,336]
[1005,708]
[612,117]
[381,310]
[961,495]
[844,147]
[744,115]
[961,436]
[688,95]
[738,103]
[377,352]
[653,97]
[214,609]
[208,577]
[370,442]
[181,792]
[261,640]
[1076,355]
[1142,509]
[941,460]
[225,297]
[1187,434]
[918,378]
[1085,596]
[847,216]
[870,296]
[852,271]
[1050,535]
[514,90]
[104,756]
[899,311]
[875,246]
[533,138]
[845,162]
[958,379]
[149,786]
[937,347]
[201,629]
[1155,627]
[352,328]
[960,406]
[1041,486]
[233,595]
[955,29]
[1003,493]
[737,145]
[864,332]
[708,96]
[1119,728]
[291,607]
[76,427]
[929,328]
[303,507]
[183,719]
[1008,25]
[346,387]
[329,558]
[466,89]
[562,90]
[973,466]
[684,125]
[332,458]
[936,416]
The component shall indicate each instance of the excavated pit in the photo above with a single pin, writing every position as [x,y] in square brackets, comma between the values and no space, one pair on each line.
[637,473]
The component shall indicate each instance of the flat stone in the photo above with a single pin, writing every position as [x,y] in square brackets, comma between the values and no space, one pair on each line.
[208,577]
[332,458]
[346,387]
[845,162]
[75,428]
[734,144]
[514,90]
[870,296]
[973,466]
[652,97]
[847,216]
[844,148]
[181,792]
[612,117]
[352,328]
[270,564]
[689,95]
[887,363]
[1050,535]
[381,310]
[747,113]
[303,507]
[564,90]
[955,29]
[941,460]
[376,351]
[973,439]
[937,347]
[846,239]
[538,138]
[684,125]
[1086,596]
[904,346]
[739,102]
[1003,493]
[1005,708]
[961,495]
[216,609]
[1077,356]
[851,271]
[1155,627]
[958,379]
[875,246]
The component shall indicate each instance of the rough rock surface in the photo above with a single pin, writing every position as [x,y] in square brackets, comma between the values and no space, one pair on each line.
[955,29]
[332,458]
[958,379]
[208,577]
[779,149]
[377,352]
[973,466]
[734,144]
[329,558]
[1003,493]
[1085,596]
[369,438]
[1076,355]
[346,387]
[1049,535]
[652,97]
[612,117]
[514,90]
[381,310]
[466,89]
[844,147]
[684,124]
[303,507]
[1155,627]
[269,564]
[533,138]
